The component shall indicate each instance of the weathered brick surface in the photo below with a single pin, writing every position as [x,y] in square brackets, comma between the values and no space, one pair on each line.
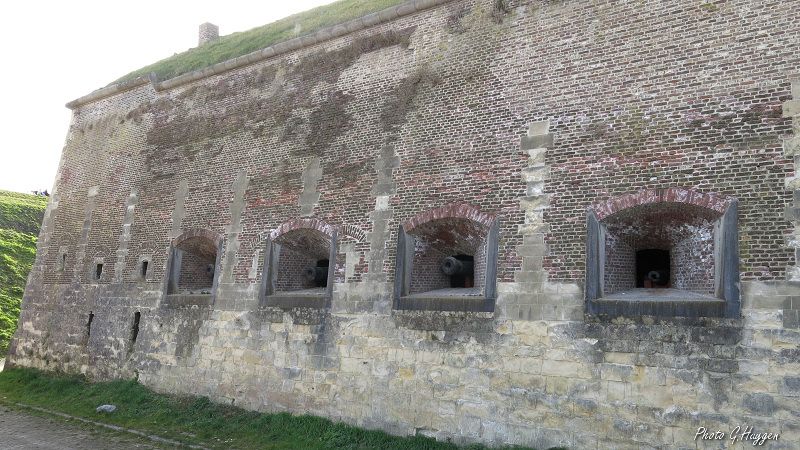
[195,274]
[524,112]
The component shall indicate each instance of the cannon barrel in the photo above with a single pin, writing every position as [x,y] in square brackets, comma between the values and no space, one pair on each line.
[657,276]
[316,274]
[452,266]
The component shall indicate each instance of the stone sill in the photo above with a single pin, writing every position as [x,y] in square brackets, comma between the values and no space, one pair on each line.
[186,300]
[449,292]
[453,299]
[658,303]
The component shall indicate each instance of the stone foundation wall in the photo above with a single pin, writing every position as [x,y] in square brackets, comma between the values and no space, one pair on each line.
[463,376]
[523,114]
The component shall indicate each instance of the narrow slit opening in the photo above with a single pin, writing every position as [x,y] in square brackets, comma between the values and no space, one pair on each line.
[135,329]
[89,324]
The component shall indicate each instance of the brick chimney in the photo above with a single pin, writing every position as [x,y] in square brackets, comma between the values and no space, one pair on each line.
[208,33]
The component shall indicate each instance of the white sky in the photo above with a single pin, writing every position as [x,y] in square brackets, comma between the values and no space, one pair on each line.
[55,52]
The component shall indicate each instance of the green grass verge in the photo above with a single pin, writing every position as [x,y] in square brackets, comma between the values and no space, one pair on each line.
[21,212]
[242,43]
[20,219]
[193,420]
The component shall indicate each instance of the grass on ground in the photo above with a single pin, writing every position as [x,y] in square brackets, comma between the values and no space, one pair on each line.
[20,219]
[193,420]
[21,212]
[242,43]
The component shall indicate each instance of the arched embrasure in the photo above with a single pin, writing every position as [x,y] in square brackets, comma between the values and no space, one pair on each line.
[664,252]
[194,262]
[446,260]
[299,262]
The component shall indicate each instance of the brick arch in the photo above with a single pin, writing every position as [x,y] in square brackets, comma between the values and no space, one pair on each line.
[709,200]
[216,238]
[353,232]
[451,211]
[305,223]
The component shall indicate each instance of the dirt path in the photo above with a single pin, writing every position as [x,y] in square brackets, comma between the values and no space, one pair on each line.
[21,430]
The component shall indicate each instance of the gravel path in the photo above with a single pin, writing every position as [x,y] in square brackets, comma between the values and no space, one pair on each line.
[21,430]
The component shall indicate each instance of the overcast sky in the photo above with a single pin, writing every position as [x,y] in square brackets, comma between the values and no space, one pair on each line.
[54,52]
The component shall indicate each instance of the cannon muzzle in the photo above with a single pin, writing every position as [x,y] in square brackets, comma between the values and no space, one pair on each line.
[657,276]
[452,267]
[316,274]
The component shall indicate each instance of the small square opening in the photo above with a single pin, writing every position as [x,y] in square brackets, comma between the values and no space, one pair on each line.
[652,268]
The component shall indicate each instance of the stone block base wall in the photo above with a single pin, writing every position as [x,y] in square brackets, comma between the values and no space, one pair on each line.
[461,376]
[517,115]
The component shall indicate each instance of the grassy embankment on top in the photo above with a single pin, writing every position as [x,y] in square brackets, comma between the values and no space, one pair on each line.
[20,219]
[242,43]
[194,420]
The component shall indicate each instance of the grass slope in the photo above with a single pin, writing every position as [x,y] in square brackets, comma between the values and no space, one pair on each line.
[242,43]
[194,420]
[20,219]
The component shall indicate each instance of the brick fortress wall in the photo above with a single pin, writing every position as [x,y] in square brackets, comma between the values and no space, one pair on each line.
[530,111]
